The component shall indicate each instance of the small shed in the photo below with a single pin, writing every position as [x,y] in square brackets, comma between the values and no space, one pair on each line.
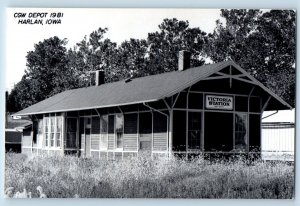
[278,135]
[214,108]
[13,133]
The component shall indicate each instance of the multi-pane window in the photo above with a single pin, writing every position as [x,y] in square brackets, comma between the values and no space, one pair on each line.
[47,131]
[40,133]
[241,132]
[53,130]
[58,131]
[119,130]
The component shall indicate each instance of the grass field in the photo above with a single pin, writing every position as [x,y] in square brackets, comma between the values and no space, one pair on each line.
[56,177]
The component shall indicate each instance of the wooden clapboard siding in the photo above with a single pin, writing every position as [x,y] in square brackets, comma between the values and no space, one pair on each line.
[95,141]
[130,142]
[160,141]
[111,141]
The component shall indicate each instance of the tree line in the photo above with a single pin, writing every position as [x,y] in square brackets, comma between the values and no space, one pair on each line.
[263,42]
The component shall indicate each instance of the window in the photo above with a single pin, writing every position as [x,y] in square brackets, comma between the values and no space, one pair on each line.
[46,119]
[119,130]
[52,131]
[241,132]
[103,132]
[58,131]
[40,133]
[194,130]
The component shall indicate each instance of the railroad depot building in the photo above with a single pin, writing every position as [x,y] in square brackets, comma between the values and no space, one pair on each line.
[215,108]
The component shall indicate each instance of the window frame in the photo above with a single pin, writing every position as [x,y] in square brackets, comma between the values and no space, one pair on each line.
[50,128]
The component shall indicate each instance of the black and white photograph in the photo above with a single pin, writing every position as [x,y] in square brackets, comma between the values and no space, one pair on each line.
[150,103]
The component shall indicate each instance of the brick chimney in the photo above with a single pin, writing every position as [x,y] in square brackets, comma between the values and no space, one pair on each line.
[100,76]
[184,60]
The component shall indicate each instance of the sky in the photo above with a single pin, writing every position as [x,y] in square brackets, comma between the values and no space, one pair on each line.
[122,24]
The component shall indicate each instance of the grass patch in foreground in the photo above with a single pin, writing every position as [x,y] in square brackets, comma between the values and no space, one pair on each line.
[67,177]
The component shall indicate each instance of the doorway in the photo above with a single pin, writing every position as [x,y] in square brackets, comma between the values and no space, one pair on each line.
[218,133]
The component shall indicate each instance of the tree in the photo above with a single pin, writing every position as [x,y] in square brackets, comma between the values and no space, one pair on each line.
[94,53]
[132,58]
[46,74]
[262,42]
[164,45]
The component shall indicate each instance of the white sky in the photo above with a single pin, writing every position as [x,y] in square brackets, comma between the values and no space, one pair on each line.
[123,24]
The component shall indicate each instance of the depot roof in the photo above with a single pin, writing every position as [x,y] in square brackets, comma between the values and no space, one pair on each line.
[139,90]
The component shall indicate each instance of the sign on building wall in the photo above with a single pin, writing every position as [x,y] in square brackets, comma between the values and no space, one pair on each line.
[219,102]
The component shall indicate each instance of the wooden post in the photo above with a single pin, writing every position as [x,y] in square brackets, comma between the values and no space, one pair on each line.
[170,132]
[63,134]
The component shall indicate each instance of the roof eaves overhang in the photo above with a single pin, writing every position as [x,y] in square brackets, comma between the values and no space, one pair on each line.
[85,108]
